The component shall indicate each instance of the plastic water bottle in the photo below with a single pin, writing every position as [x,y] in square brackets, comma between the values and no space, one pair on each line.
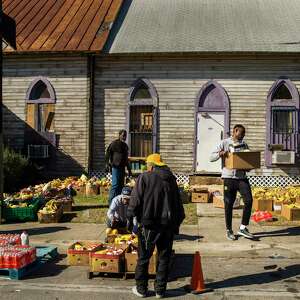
[24,239]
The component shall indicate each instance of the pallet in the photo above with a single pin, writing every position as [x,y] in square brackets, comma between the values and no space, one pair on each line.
[44,255]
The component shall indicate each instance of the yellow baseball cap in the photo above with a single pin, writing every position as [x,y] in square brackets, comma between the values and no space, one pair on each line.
[155,159]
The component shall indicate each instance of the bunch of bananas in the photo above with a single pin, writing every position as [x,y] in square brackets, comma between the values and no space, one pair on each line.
[50,208]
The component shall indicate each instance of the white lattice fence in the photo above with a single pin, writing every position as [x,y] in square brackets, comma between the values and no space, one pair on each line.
[263,181]
[273,181]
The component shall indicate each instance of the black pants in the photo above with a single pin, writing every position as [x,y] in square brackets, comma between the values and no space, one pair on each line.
[231,186]
[148,239]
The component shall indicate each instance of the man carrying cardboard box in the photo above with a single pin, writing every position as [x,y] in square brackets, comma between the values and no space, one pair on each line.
[235,180]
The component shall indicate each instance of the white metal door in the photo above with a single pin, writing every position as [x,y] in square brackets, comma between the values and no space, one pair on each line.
[210,131]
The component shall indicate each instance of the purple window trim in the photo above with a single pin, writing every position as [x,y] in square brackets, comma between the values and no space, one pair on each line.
[199,102]
[50,89]
[271,102]
[141,82]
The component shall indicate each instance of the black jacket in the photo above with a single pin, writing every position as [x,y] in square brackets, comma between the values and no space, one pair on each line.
[155,200]
[117,154]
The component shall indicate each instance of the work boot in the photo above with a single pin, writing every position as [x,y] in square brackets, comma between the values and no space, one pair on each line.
[230,236]
[245,233]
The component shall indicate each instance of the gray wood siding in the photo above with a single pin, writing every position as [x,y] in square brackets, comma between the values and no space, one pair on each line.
[70,81]
[247,81]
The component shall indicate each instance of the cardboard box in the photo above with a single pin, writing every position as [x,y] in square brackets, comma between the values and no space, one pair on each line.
[131,261]
[292,214]
[218,202]
[202,197]
[262,204]
[243,160]
[107,263]
[277,205]
[80,257]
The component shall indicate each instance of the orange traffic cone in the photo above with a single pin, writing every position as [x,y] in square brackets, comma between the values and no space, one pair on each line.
[197,282]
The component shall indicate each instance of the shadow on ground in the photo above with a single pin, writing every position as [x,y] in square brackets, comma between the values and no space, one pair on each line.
[49,269]
[181,267]
[290,231]
[38,231]
[257,278]
[85,207]
[186,237]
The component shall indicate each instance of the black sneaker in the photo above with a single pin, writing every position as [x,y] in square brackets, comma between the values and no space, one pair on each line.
[245,233]
[230,236]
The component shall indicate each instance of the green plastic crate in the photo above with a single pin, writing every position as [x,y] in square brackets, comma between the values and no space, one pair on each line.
[23,213]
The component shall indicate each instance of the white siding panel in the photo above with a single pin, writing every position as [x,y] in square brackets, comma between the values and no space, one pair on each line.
[178,81]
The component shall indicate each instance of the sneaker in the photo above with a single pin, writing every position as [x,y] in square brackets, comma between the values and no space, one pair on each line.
[159,295]
[137,293]
[245,233]
[230,235]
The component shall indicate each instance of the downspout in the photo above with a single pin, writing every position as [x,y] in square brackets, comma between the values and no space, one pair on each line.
[1,139]
[91,74]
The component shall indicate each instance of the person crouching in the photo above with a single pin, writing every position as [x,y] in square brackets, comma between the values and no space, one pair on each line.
[116,214]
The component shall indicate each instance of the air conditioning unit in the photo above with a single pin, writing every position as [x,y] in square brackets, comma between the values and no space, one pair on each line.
[283,157]
[38,151]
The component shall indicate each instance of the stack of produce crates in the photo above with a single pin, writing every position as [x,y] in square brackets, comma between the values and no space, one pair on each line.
[28,213]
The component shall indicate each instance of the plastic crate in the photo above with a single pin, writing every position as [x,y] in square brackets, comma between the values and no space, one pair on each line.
[28,213]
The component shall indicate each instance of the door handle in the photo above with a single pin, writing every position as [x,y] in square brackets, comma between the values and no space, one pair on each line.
[222,135]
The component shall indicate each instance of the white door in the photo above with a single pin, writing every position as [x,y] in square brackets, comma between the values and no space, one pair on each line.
[210,131]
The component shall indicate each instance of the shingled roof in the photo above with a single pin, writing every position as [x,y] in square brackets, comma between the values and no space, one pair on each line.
[178,26]
[61,25]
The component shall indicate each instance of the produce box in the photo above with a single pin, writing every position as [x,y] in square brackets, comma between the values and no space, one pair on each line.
[218,202]
[262,204]
[92,189]
[104,191]
[202,197]
[131,260]
[80,190]
[291,212]
[28,213]
[277,205]
[107,259]
[54,217]
[78,253]
[246,160]
[66,203]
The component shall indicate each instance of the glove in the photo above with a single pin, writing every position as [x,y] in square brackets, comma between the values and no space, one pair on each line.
[108,168]
[130,224]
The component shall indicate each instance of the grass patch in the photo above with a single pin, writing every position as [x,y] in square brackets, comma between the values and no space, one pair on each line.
[83,200]
[93,209]
[190,210]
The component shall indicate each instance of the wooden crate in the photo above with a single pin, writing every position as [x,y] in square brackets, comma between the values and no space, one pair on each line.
[202,197]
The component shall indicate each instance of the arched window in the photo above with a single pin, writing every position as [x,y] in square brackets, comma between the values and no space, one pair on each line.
[142,118]
[40,107]
[282,119]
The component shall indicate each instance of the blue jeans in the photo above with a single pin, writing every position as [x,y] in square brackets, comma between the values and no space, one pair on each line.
[118,176]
